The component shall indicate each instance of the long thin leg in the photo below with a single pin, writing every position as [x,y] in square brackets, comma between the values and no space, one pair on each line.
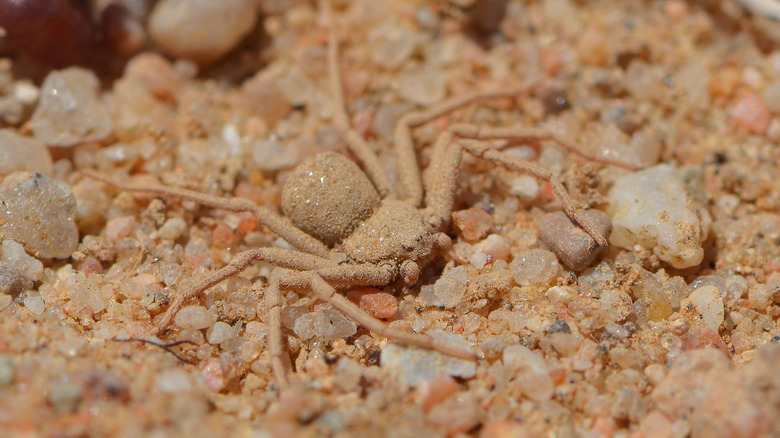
[527,135]
[278,224]
[328,293]
[408,170]
[355,142]
[285,258]
[441,196]
[273,300]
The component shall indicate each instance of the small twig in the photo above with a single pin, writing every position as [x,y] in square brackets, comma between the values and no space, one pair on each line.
[166,347]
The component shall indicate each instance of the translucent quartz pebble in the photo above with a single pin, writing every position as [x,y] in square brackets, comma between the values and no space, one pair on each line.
[707,303]
[451,287]
[535,266]
[13,255]
[18,153]
[415,366]
[571,243]
[193,318]
[201,30]
[324,324]
[70,111]
[38,212]
[651,208]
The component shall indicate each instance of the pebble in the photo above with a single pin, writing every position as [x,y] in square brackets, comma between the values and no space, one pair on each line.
[172,229]
[6,370]
[193,318]
[750,113]
[13,255]
[474,223]
[70,111]
[5,300]
[375,302]
[201,31]
[172,382]
[415,366]
[392,45]
[450,288]
[34,303]
[651,208]
[38,213]
[326,324]
[271,155]
[219,333]
[535,266]
[19,153]
[707,303]
[425,87]
[573,245]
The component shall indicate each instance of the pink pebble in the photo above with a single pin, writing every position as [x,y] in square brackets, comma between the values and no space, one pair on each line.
[750,113]
[121,227]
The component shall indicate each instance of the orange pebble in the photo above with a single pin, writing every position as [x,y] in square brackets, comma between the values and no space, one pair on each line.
[222,236]
[375,302]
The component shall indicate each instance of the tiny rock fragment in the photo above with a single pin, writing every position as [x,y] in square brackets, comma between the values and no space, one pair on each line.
[750,113]
[201,31]
[325,324]
[571,243]
[18,153]
[38,213]
[377,303]
[11,281]
[651,208]
[14,256]
[474,223]
[70,111]
[706,303]
[193,318]
[450,288]
[34,303]
[219,333]
[415,366]
[535,266]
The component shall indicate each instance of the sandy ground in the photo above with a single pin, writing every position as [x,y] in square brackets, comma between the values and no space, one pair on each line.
[639,344]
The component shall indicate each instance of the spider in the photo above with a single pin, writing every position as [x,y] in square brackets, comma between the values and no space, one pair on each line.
[387,234]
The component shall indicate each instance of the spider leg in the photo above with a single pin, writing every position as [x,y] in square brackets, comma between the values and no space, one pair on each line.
[278,224]
[441,196]
[355,142]
[285,258]
[408,170]
[321,283]
[524,135]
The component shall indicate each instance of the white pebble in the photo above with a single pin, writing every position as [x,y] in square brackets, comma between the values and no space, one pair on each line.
[34,303]
[524,187]
[450,288]
[70,111]
[426,86]
[201,31]
[13,255]
[535,266]
[219,333]
[38,213]
[19,153]
[415,366]
[172,229]
[171,382]
[707,303]
[392,44]
[5,301]
[651,208]
[193,318]
[325,324]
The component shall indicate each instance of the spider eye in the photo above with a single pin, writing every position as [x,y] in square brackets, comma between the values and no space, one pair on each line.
[407,247]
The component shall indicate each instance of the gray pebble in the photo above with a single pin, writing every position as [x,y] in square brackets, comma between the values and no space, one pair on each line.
[573,246]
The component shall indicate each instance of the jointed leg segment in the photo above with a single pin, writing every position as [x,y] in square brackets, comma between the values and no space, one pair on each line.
[278,224]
